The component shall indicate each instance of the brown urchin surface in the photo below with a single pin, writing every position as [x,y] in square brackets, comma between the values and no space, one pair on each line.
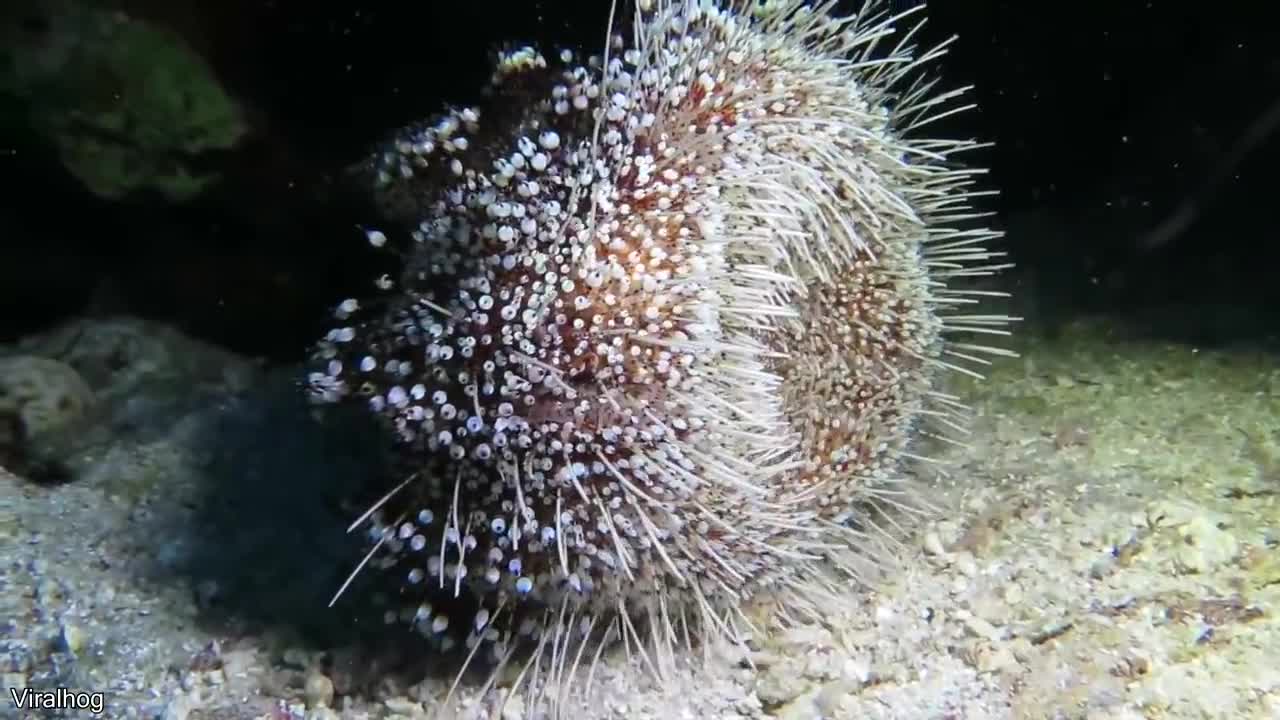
[666,319]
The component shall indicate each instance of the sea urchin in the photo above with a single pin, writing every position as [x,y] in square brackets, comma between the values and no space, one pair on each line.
[666,321]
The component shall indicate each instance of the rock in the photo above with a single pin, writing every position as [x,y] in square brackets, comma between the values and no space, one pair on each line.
[165,109]
[45,394]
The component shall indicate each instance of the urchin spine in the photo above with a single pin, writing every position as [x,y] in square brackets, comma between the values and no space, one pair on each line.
[663,327]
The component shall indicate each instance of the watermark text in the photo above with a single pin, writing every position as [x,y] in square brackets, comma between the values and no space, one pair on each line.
[57,699]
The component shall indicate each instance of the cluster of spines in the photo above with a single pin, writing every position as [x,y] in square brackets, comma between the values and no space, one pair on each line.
[660,329]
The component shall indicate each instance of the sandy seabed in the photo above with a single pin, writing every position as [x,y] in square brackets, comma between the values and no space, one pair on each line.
[1106,548]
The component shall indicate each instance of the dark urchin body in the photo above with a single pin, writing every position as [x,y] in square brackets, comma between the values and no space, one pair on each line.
[666,320]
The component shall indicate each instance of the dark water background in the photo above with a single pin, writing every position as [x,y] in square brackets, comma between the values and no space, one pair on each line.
[1135,143]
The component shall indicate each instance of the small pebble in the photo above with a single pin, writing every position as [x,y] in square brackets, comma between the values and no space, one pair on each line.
[514,707]
[318,690]
[48,591]
[296,659]
[403,706]
[207,593]
[177,709]
[13,680]
[71,638]
[933,544]
[979,627]
[1013,593]
[965,564]
[1204,547]
[996,659]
